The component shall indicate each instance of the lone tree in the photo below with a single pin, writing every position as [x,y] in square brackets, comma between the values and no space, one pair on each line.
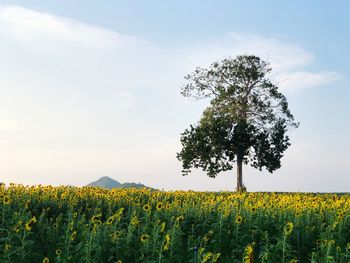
[246,121]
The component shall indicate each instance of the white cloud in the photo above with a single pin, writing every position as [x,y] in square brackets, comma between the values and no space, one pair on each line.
[299,80]
[91,102]
[282,56]
[30,26]
[287,60]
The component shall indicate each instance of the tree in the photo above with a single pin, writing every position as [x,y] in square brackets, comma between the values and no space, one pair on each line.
[246,121]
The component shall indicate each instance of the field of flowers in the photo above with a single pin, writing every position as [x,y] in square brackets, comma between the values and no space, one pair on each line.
[68,224]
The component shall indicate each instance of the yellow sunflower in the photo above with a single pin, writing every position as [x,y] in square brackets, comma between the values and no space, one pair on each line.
[146,208]
[134,221]
[30,223]
[162,227]
[288,228]
[179,219]
[144,238]
[110,220]
[73,235]
[6,200]
[167,242]
[7,247]
[96,219]
[159,206]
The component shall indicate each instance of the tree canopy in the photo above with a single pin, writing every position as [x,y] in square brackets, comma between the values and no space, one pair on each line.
[246,121]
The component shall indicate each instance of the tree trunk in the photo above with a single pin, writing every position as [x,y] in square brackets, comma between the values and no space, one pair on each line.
[240,186]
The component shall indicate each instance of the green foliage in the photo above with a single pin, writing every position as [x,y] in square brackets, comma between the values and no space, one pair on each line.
[246,121]
[83,225]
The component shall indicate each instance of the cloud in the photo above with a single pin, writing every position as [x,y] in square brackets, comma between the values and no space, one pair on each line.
[82,94]
[299,80]
[83,46]
[30,26]
[287,60]
[281,55]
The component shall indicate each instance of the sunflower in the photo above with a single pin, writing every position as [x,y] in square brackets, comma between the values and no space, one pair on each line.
[6,200]
[119,214]
[179,219]
[239,219]
[18,226]
[110,220]
[134,221]
[46,260]
[167,242]
[144,238]
[118,233]
[159,206]
[167,206]
[96,219]
[114,236]
[249,253]
[7,246]
[146,208]
[331,242]
[288,228]
[162,227]
[30,223]
[324,242]
[58,252]
[216,257]
[73,235]
[97,222]
[207,256]
[208,235]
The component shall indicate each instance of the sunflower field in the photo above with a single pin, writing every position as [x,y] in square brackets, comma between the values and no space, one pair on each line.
[71,224]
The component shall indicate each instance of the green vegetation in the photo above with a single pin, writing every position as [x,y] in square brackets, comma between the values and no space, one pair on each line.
[68,224]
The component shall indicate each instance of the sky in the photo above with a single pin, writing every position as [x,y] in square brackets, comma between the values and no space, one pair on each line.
[92,88]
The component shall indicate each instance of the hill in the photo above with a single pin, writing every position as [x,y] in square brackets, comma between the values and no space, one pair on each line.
[109,183]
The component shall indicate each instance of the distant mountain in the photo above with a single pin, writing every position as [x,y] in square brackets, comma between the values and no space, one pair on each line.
[109,183]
